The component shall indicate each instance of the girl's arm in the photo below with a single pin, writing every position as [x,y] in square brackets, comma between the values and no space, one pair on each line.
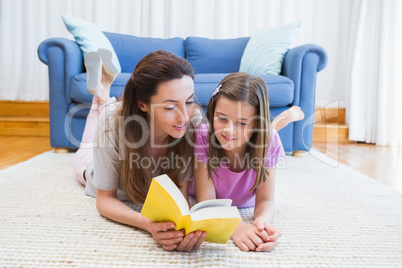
[260,236]
[246,236]
[204,185]
[264,199]
[264,212]
[112,208]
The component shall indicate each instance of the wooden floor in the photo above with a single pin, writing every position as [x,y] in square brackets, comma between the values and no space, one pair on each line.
[378,162]
[16,149]
[381,163]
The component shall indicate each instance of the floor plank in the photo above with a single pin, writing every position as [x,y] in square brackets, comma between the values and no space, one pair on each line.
[14,150]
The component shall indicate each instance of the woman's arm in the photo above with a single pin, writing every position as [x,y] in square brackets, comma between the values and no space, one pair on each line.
[112,208]
[204,185]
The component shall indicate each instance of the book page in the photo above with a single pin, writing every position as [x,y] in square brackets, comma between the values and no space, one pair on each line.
[218,222]
[211,203]
[174,192]
[215,213]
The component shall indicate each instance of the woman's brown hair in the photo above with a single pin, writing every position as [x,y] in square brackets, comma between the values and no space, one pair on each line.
[243,87]
[155,68]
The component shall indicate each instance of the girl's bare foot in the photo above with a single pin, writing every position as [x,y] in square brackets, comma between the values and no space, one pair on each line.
[292,114]
[295,114]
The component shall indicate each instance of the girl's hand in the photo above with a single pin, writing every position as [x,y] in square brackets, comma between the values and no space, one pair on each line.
[271,242]
[191,241]
[247,237]
[168,239]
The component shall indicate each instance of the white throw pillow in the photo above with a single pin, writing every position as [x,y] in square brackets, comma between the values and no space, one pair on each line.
[89,37]
[266,49]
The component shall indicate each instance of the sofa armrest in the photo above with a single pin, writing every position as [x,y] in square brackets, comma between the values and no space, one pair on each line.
[301,65]
[64,60]
[309,58]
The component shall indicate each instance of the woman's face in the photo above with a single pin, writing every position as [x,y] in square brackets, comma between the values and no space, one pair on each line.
[233,123]
[171,108]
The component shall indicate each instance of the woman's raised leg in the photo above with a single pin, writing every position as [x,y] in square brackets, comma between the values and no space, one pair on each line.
[101,92]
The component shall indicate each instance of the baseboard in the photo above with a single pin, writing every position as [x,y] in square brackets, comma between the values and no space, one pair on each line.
[24,118]
[31,118]
[330,125]
[325,115]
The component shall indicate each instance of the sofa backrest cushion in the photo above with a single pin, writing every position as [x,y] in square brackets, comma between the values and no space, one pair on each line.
[280,88]
[215,55]
[131,49]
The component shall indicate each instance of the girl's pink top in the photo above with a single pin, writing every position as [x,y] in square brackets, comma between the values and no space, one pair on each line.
[235,185]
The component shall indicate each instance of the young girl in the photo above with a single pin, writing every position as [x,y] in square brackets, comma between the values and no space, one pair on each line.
[237,153]
[124,142]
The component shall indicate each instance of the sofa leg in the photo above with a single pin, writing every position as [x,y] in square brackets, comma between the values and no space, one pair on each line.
[298,153]
[61,150]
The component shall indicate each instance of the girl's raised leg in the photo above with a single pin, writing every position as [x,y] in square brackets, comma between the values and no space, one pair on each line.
[292,114]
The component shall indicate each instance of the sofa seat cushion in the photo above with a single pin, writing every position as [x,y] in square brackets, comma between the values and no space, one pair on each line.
[215,55]
[80,94]
[280,88]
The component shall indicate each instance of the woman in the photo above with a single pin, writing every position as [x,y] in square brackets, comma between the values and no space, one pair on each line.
[133,140]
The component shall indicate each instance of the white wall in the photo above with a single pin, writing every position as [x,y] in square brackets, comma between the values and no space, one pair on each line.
[24,24]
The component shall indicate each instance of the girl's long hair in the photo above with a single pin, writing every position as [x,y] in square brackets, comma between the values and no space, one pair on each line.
[243,87]
[132,126]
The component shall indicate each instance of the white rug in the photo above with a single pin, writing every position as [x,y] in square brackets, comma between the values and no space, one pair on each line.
[329,217]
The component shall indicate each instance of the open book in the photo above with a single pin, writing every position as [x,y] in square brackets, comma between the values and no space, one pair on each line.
[165,202]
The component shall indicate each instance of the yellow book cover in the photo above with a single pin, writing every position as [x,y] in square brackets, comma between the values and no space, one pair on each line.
[164,202]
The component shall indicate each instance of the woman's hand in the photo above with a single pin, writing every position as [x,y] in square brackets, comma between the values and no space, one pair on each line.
[191,241]
[247,237]
[168,239]
[171,239]
[273,235]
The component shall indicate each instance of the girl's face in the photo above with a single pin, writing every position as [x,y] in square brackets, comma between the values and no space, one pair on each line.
[171,108]
[234,123]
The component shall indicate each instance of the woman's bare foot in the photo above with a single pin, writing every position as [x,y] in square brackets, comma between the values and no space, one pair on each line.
[99,78]
[292,114]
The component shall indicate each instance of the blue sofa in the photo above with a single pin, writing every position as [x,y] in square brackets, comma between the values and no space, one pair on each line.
[212,60]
